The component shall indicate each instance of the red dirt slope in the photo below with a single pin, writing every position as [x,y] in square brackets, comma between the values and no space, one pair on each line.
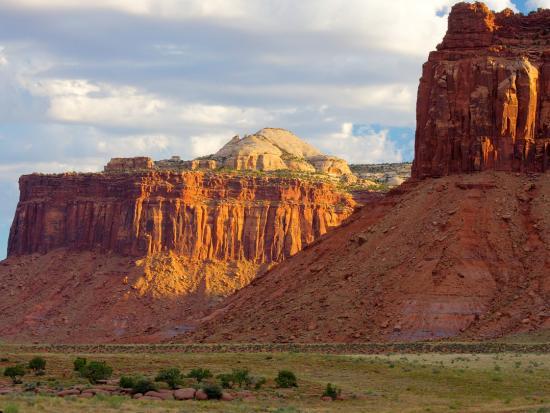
[463,255]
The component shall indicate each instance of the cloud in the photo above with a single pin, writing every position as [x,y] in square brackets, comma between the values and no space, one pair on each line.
[79,100]
[545,4]
[362,145]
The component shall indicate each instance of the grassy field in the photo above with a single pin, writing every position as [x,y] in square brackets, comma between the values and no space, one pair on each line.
[421,382]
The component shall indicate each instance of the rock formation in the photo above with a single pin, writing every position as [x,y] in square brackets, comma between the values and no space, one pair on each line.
[273,149]
[193,214]
[145,251]
[484,96]
[463,255]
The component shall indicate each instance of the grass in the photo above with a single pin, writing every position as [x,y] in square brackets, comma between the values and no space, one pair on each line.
[413,382]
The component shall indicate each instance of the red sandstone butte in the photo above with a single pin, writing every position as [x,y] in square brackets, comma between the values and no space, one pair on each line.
[136,255]
[484,96]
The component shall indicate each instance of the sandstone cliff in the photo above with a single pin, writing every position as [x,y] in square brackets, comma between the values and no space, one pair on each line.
[197,215]
[484,96]
[138,256]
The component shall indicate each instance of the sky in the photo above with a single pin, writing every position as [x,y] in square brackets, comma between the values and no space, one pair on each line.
[84,81]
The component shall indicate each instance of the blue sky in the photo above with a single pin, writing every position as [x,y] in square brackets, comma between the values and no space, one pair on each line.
[81,82]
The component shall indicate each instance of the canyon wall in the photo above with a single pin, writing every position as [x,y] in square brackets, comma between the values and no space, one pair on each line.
[193,214]
[484,96]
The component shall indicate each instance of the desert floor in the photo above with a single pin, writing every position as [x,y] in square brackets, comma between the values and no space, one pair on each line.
[411,381]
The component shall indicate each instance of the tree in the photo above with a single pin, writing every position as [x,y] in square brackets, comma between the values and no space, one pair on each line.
[171,376]
[199,374]
[79,363]
[15,373]
[38,365]
[96,370]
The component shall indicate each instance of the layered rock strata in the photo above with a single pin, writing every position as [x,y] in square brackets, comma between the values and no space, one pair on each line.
[484,96]
[138,256]
[193,214]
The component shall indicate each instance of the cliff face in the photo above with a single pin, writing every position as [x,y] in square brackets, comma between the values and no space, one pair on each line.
[196,215]
[140,256]
[484,96]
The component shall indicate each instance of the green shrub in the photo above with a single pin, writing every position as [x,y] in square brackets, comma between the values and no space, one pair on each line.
[127,382]
[15,373]
[226,380]
[241,377]
[171,376]
[199,374]
[79,363]
[143,385]
[213,391]
[38,365]
[96,370]
[286,379]
[331,391]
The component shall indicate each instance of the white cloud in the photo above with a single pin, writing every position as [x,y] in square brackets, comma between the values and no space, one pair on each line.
[364,146]
[545,4]
[404,26]
[209,143]
[82,101]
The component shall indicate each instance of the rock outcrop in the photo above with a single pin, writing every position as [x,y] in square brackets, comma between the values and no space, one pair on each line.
[273,149]
[484,96]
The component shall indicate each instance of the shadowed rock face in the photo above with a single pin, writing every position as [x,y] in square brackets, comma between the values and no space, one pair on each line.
[484,96]
[196,215]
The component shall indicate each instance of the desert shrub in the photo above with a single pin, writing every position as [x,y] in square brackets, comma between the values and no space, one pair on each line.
[259,382]
[241,377]
[127,382]
[15,373]
[38,365]
[79,363]
[199,374]
[143,385]
[96,370]
[138,384]
[226,380]
[286,379]
[171,376]
[213,391]
[331,391]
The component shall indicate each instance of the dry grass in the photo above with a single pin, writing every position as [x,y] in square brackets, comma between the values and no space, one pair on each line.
[391,383]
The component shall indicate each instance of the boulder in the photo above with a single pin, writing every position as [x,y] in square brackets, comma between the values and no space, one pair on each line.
[185,394]
[201,395]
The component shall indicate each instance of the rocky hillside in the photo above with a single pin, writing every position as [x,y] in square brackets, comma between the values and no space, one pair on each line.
[465,255]
[120,256]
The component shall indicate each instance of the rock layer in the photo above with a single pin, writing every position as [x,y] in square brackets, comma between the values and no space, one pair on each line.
[484,96]
[192,214]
